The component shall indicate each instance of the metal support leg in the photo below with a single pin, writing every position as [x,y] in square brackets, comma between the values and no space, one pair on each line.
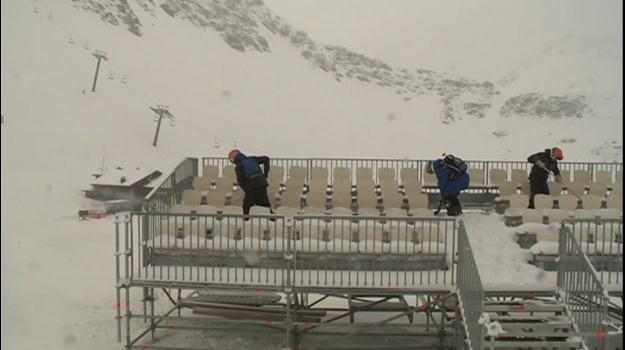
[118,317]
[179,301]
[145,297]
[152,325]
[128,315]
[288,317]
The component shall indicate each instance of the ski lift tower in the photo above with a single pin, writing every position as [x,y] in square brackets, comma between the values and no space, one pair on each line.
[99,55]
[161,111]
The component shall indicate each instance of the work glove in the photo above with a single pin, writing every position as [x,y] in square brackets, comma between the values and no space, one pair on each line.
[558,178]
[540,164]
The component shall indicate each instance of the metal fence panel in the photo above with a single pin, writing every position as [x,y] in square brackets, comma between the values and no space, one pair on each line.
[397,164]
[602,241]
[320,252]
[470,290]
[582,291]
[169,191]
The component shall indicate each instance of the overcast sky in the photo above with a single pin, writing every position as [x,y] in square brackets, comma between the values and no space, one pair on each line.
[479,38]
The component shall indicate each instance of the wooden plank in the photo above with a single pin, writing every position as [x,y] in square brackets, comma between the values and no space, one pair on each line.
[252,315]
[527,318]
[538,344]
[524,308]
[266,309]
[537,327]
[383,306]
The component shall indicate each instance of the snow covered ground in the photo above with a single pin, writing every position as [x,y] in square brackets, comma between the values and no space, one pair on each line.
[58,272]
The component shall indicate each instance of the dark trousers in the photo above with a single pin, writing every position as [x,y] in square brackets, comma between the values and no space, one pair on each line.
[256,196]
[453,205]
[537,187]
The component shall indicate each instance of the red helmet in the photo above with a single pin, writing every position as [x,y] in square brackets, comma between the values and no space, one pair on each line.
[232,154]
[557,153]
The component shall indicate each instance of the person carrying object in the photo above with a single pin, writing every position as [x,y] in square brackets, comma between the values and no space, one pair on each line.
[544,163]
[251,179]
[451,173]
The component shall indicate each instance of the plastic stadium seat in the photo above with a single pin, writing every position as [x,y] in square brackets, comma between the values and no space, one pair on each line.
[597,188]
[567,202]
[507,188]
[476,177]
[191,198]
[210,171]
[518,176]
[604,177]
[498,176]
[543,201]
[614,201]
[583,176]
[555,188]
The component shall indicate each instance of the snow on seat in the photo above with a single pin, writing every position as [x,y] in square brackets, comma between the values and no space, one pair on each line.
[567,202]
[210,172]
[555,188]
[576,188]
[598,189]
[582,176]
[591,202]
[557,215]
[477,177]
[543,201]
[430,180]
[610,213]
[518,176]
[507,188]
[532,215]
[191,197]
[417,201]
[228,172]
[497,177]
[202,183]
[513,215]
[603,177]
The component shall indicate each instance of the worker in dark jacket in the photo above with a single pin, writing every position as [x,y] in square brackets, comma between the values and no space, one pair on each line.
[544,163]
[450,183]
[251,178]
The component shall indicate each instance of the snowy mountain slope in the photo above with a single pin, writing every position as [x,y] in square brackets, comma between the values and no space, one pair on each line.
[544,90]
[250,25]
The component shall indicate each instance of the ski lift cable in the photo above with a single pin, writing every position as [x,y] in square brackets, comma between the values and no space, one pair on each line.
[233,142]
[138,92]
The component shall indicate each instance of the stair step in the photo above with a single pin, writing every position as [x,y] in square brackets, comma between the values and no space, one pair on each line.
[516,318]
[537,327]
[538,344]
[524,308]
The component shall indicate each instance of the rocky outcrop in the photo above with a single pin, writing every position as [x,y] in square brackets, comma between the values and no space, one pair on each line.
[534,104]
[113,12]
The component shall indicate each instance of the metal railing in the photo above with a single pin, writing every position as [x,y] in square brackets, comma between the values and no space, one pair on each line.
[314,252]
[169,191]
[602,241]
[566,168]
[275,253]
[470,290]
[581,289]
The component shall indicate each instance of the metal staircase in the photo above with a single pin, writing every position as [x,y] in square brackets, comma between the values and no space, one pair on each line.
[528,324]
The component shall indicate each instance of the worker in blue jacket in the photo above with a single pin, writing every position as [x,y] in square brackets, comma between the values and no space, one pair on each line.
[251,178]
[451,181]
